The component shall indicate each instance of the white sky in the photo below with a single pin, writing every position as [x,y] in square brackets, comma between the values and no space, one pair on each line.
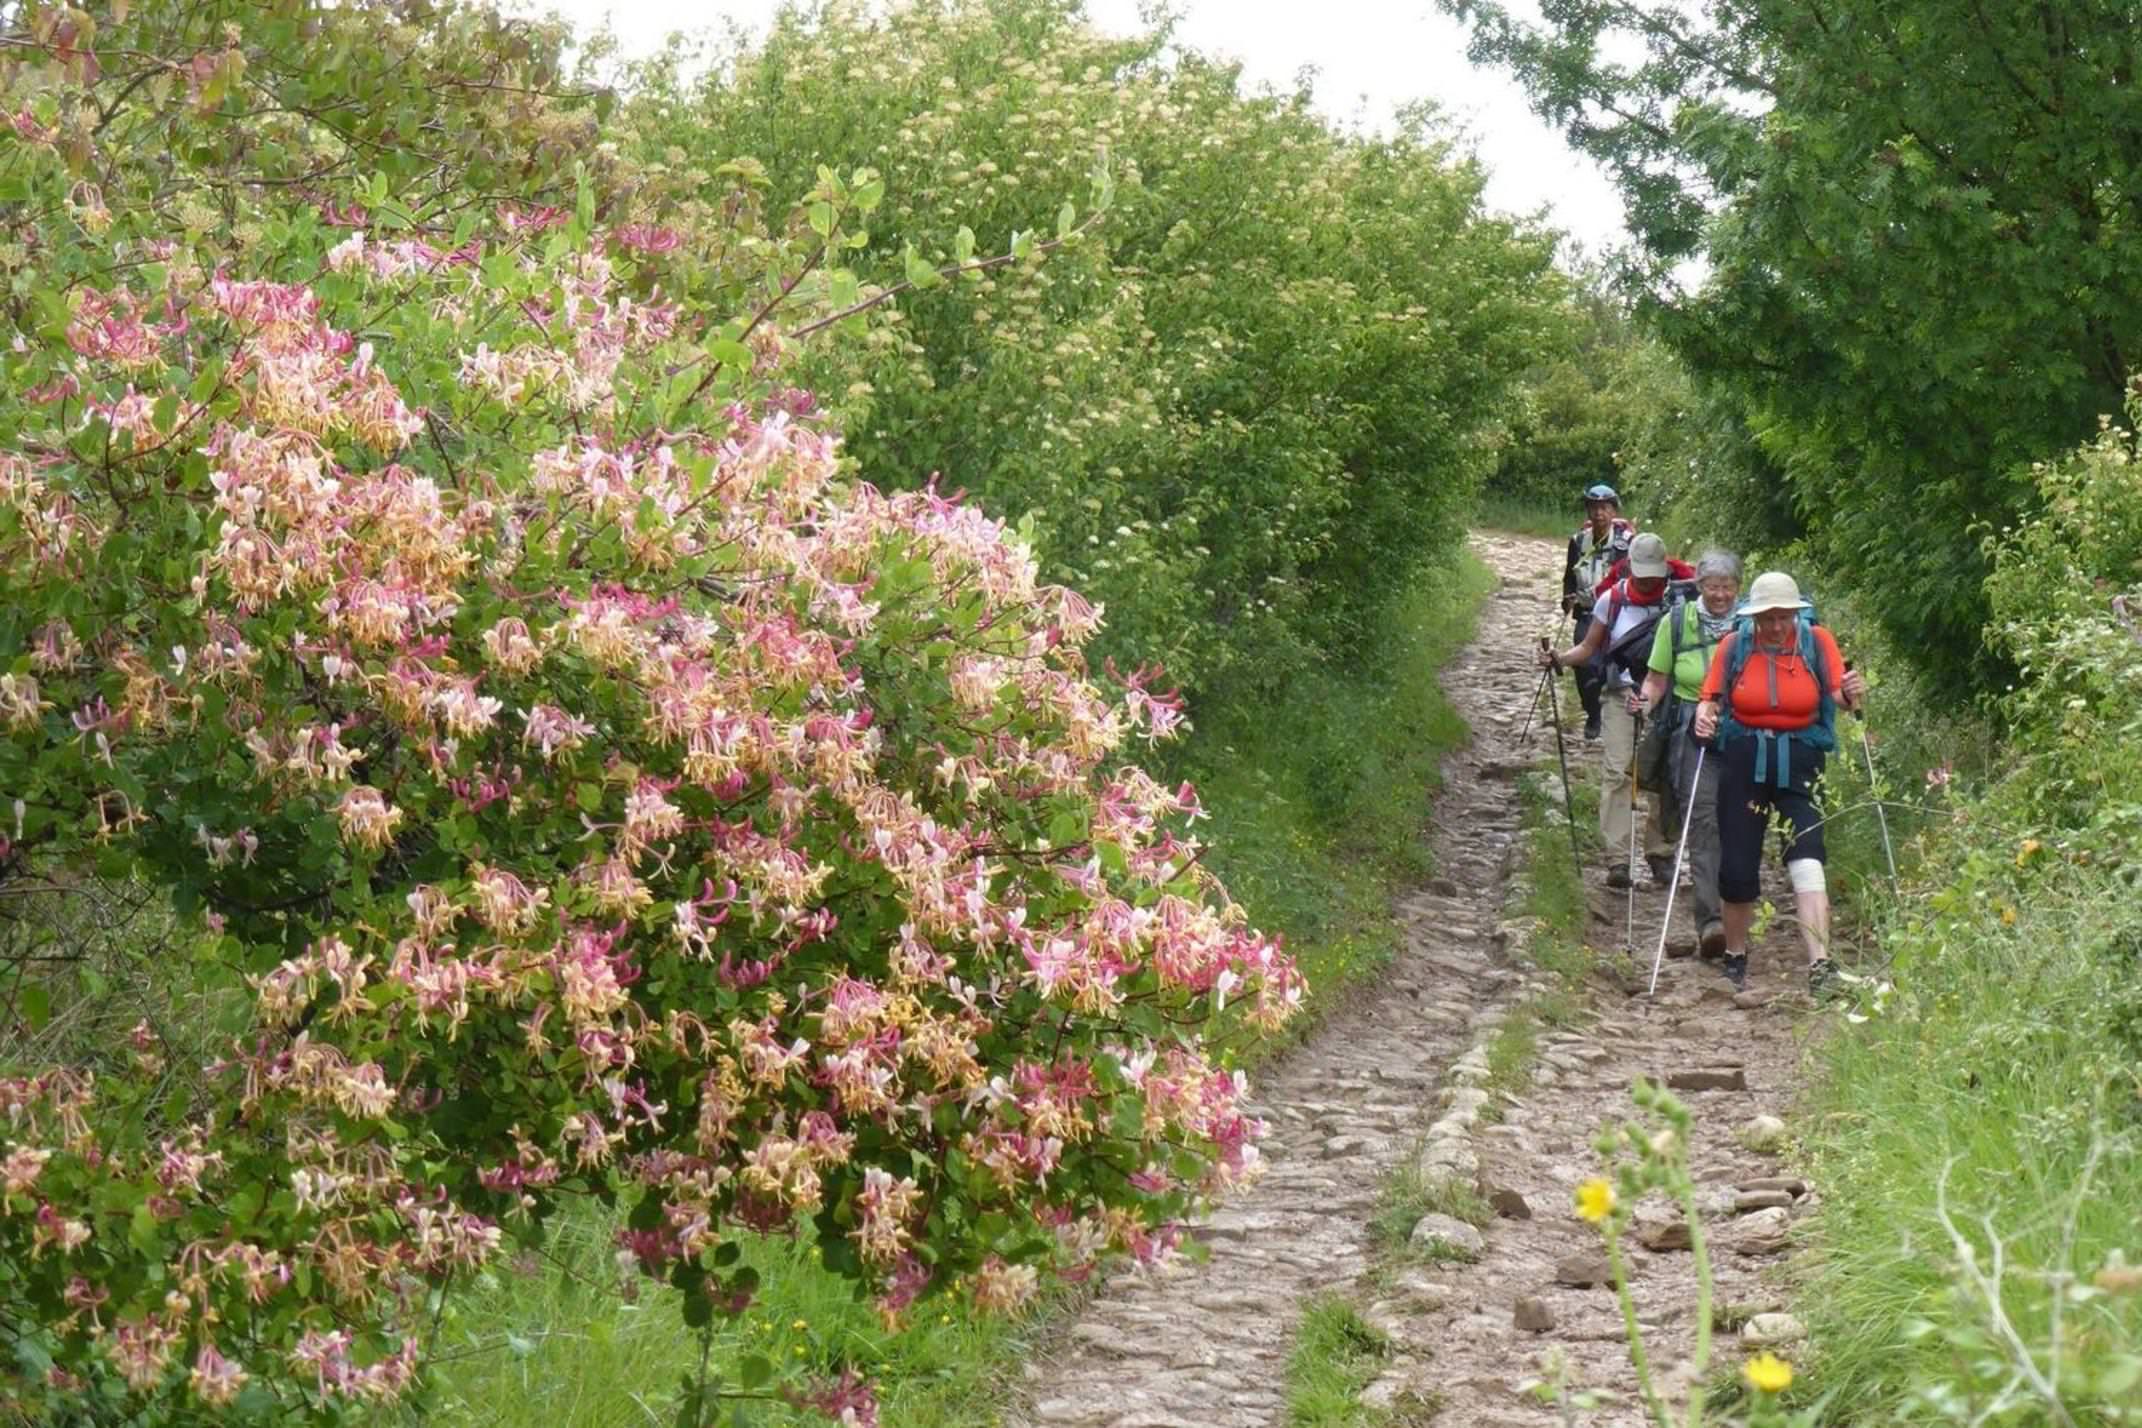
[1371,56]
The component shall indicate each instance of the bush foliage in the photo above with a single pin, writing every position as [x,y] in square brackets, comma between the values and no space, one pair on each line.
[1244,415]
[576,762]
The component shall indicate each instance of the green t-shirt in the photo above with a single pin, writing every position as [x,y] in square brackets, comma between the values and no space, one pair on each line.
[1695,660]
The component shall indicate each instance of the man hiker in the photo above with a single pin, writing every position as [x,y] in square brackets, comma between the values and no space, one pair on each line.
[1618,618]
[1601,542]
[1673,683]
[1769,703]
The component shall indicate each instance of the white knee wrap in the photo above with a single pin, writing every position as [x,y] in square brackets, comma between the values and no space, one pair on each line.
[1807,875]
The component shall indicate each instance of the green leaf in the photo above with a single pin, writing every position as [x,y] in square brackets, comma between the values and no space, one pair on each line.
[754,1372]
[1066,219]
[919,272]
[36,1004]
[963,244]
[822,217]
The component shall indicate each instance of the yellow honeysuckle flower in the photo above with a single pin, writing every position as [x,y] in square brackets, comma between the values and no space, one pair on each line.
[1767,1373]
[1595,1200]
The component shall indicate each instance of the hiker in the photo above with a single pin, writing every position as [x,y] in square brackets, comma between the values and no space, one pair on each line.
[1680,572]
[1680,658]
[1598,545]
[1769,703]
[1617,618]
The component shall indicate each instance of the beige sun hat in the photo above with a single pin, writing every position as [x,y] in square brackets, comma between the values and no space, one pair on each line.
[1773,590]
[1647,557]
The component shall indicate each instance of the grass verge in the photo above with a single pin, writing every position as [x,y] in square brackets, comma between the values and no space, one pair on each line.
[1336,1355]
[1318,793]
[1320,790]
[1978,1142]
[570,1341]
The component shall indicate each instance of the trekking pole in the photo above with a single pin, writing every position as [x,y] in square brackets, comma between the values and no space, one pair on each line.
[1530,714]
[1636,741]
[1561,753]
[1866,749]
[1673,884]
[1538,690]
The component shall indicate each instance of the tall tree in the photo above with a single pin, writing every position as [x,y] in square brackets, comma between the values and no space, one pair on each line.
[1920,224]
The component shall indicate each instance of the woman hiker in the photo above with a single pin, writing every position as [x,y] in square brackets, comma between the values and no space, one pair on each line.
[1630,603]
[1769,701]
[1680,657]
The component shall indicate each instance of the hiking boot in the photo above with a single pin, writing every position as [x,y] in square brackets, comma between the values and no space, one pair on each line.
[1661,867]
[1735,970]
[1823,980]
[1617,878]
[1591,729]
[1712,944]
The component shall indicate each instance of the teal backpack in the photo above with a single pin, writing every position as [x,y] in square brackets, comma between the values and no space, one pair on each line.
[1773,747]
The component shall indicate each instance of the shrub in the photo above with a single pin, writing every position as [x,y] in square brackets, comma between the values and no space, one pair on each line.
[1247,412]
[593,794]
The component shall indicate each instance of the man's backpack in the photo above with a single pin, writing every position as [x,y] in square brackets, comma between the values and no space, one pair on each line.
[1773,749]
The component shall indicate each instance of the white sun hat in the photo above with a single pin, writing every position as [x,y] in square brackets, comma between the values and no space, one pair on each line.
[1773,590]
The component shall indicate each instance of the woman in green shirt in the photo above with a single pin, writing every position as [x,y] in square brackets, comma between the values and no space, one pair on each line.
[1680,656]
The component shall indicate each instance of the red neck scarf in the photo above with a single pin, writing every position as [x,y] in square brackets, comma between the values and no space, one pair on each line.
[1630,595]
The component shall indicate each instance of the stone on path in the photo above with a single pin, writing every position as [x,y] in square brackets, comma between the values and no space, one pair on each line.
[1792,1185]
[1748,1200]
[1762,1134]
[1661,1231]
[1772,1329]
[1764,1232]
[1441,1234]
[1533,1315]
[1508,1203]
[1715,1078]
[1582,1271]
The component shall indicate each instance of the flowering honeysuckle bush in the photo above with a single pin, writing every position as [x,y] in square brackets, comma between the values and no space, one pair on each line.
[597,792]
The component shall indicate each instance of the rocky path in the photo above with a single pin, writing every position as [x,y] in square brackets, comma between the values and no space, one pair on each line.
[1395,1076]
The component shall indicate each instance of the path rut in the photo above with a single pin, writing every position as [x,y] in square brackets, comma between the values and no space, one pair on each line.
[1204,1345]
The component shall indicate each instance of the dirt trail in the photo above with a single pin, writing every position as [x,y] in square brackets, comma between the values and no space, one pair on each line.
[1393,1076]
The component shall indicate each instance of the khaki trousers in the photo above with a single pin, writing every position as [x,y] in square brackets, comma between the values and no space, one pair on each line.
[1617,748]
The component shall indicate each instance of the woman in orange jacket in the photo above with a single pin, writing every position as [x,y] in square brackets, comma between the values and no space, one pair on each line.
[1769,703]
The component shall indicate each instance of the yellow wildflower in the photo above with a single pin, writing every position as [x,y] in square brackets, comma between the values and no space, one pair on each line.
[2030,849]
[1595,1200]
[1767,1373]
[2008,914]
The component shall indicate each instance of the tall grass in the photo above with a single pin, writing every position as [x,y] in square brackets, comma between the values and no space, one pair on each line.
[1992,1101]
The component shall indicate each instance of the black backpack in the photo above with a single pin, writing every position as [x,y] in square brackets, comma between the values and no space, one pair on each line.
[1630,653]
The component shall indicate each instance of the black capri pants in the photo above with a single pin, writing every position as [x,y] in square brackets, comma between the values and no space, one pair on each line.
[1744,810]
